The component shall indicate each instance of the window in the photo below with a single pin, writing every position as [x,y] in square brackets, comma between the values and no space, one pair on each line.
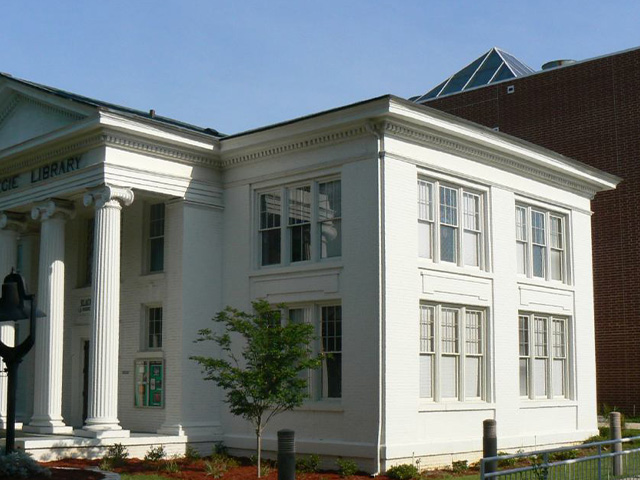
[156,237]
[543,356]
[85,258]
[312,230]
[455,233]
[149,383]
[153,328]
[540,243]
[452,359]
[325,382]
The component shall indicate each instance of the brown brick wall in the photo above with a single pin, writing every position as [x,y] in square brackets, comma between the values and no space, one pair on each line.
[591,112]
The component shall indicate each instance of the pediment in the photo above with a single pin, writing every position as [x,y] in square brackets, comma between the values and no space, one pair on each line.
[23,118]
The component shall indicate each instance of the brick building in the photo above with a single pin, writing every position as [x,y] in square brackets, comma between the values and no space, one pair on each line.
[588,110]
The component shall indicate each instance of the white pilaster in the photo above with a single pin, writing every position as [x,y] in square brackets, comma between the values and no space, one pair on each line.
[47,401]
[10,225]
[102,419]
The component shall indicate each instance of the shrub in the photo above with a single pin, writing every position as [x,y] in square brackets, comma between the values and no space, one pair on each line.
[214,469]
[564,455]
[507,462]
[308,464]
[191,454]
[155,454]
[460,466]
[172,465]
[406,471]
[116,456]
[20,465]
[219,448]
[346,467]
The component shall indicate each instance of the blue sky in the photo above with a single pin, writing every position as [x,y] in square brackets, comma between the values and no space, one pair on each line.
[243,64]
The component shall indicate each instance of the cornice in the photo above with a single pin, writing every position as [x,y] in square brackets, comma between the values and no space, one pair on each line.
[158,150]
[295,146]
[450,145]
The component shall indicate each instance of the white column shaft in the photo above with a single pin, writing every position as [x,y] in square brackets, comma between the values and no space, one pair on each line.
[103,353]
[8,260]
[47,404]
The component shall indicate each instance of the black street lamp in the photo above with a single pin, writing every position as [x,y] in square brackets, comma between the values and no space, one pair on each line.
[12,309]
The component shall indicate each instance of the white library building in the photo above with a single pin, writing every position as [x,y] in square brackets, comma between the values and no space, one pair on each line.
[446,268]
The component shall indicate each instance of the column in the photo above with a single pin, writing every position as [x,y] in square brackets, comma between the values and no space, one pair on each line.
[47,400]
[10,226]
[102,418]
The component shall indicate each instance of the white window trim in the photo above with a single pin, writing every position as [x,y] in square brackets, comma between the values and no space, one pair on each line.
[285,241]
[461,188]
[569,367]
[436,387]
[528,261]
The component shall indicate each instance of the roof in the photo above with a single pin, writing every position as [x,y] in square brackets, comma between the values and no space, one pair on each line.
[111,106]
[493,66]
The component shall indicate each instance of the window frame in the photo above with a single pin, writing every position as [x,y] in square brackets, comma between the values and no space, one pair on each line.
[527,241]
[316,379]
[315,224]
[547,353]
[149,238]
[461,352]
[430,220]
[146,328]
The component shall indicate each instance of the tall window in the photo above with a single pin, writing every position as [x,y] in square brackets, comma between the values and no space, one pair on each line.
[313,227]
[153,328]
[543,356]
[300,223]
[455,233]
[270,206]
[452,353]
[85,254]
[332,351]
[540,243]
[325,382]
[156,237]
[330,218]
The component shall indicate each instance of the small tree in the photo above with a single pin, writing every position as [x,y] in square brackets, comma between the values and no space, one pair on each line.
[263,379]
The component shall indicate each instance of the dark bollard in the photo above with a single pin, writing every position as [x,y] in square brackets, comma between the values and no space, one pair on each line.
[616,434]
[489,445]
[286,455]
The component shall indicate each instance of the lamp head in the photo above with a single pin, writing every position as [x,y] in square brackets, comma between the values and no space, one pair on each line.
[12,305]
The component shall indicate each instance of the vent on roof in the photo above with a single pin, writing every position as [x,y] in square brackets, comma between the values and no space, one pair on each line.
[557,63]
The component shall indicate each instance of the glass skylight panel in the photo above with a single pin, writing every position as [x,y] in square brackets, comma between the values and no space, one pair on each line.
[494,66]
[460,79]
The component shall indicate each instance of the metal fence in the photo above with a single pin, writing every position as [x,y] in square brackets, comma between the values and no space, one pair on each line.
[591,461]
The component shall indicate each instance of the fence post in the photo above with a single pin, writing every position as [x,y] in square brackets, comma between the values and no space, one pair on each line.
[616,434]
[489,445]
[286,455]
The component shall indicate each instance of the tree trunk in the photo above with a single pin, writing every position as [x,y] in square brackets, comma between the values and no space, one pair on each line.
[259,445]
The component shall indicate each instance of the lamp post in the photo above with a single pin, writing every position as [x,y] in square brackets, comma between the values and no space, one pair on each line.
[14,308]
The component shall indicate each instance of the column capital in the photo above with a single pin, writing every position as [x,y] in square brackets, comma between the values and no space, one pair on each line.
[53,208]
[16,222]
[109,194]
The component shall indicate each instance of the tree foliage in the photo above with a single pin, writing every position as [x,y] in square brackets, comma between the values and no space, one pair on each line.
[259,363]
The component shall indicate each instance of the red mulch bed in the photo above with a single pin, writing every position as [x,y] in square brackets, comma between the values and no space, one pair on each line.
[195,470]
